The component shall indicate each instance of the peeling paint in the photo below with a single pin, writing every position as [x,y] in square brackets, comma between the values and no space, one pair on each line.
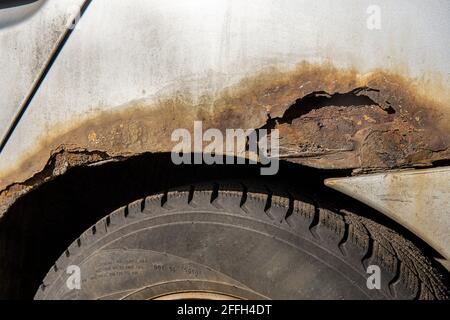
[328,118]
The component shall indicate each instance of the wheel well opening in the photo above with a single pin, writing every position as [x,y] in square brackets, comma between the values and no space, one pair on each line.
[44,222]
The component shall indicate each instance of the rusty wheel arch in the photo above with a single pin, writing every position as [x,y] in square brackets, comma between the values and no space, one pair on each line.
[327,117]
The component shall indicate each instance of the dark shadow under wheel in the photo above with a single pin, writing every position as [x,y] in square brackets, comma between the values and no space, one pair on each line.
[240,241]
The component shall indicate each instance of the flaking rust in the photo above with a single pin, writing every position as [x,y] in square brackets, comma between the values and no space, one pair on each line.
[327,117]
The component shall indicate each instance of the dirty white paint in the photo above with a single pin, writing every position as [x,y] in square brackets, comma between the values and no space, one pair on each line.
[417,199]
[28,35]
[127,50]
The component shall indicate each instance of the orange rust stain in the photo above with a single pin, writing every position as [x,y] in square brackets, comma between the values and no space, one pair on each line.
[353,136]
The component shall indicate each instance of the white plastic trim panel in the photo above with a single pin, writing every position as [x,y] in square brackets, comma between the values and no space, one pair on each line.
[417,199]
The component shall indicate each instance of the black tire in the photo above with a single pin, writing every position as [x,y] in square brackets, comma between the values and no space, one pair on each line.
[244,242]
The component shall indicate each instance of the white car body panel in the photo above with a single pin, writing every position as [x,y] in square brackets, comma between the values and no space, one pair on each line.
[27,42]
[142,50]
[166,45]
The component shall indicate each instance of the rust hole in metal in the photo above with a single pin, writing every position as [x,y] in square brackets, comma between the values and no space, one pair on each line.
[321,99]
